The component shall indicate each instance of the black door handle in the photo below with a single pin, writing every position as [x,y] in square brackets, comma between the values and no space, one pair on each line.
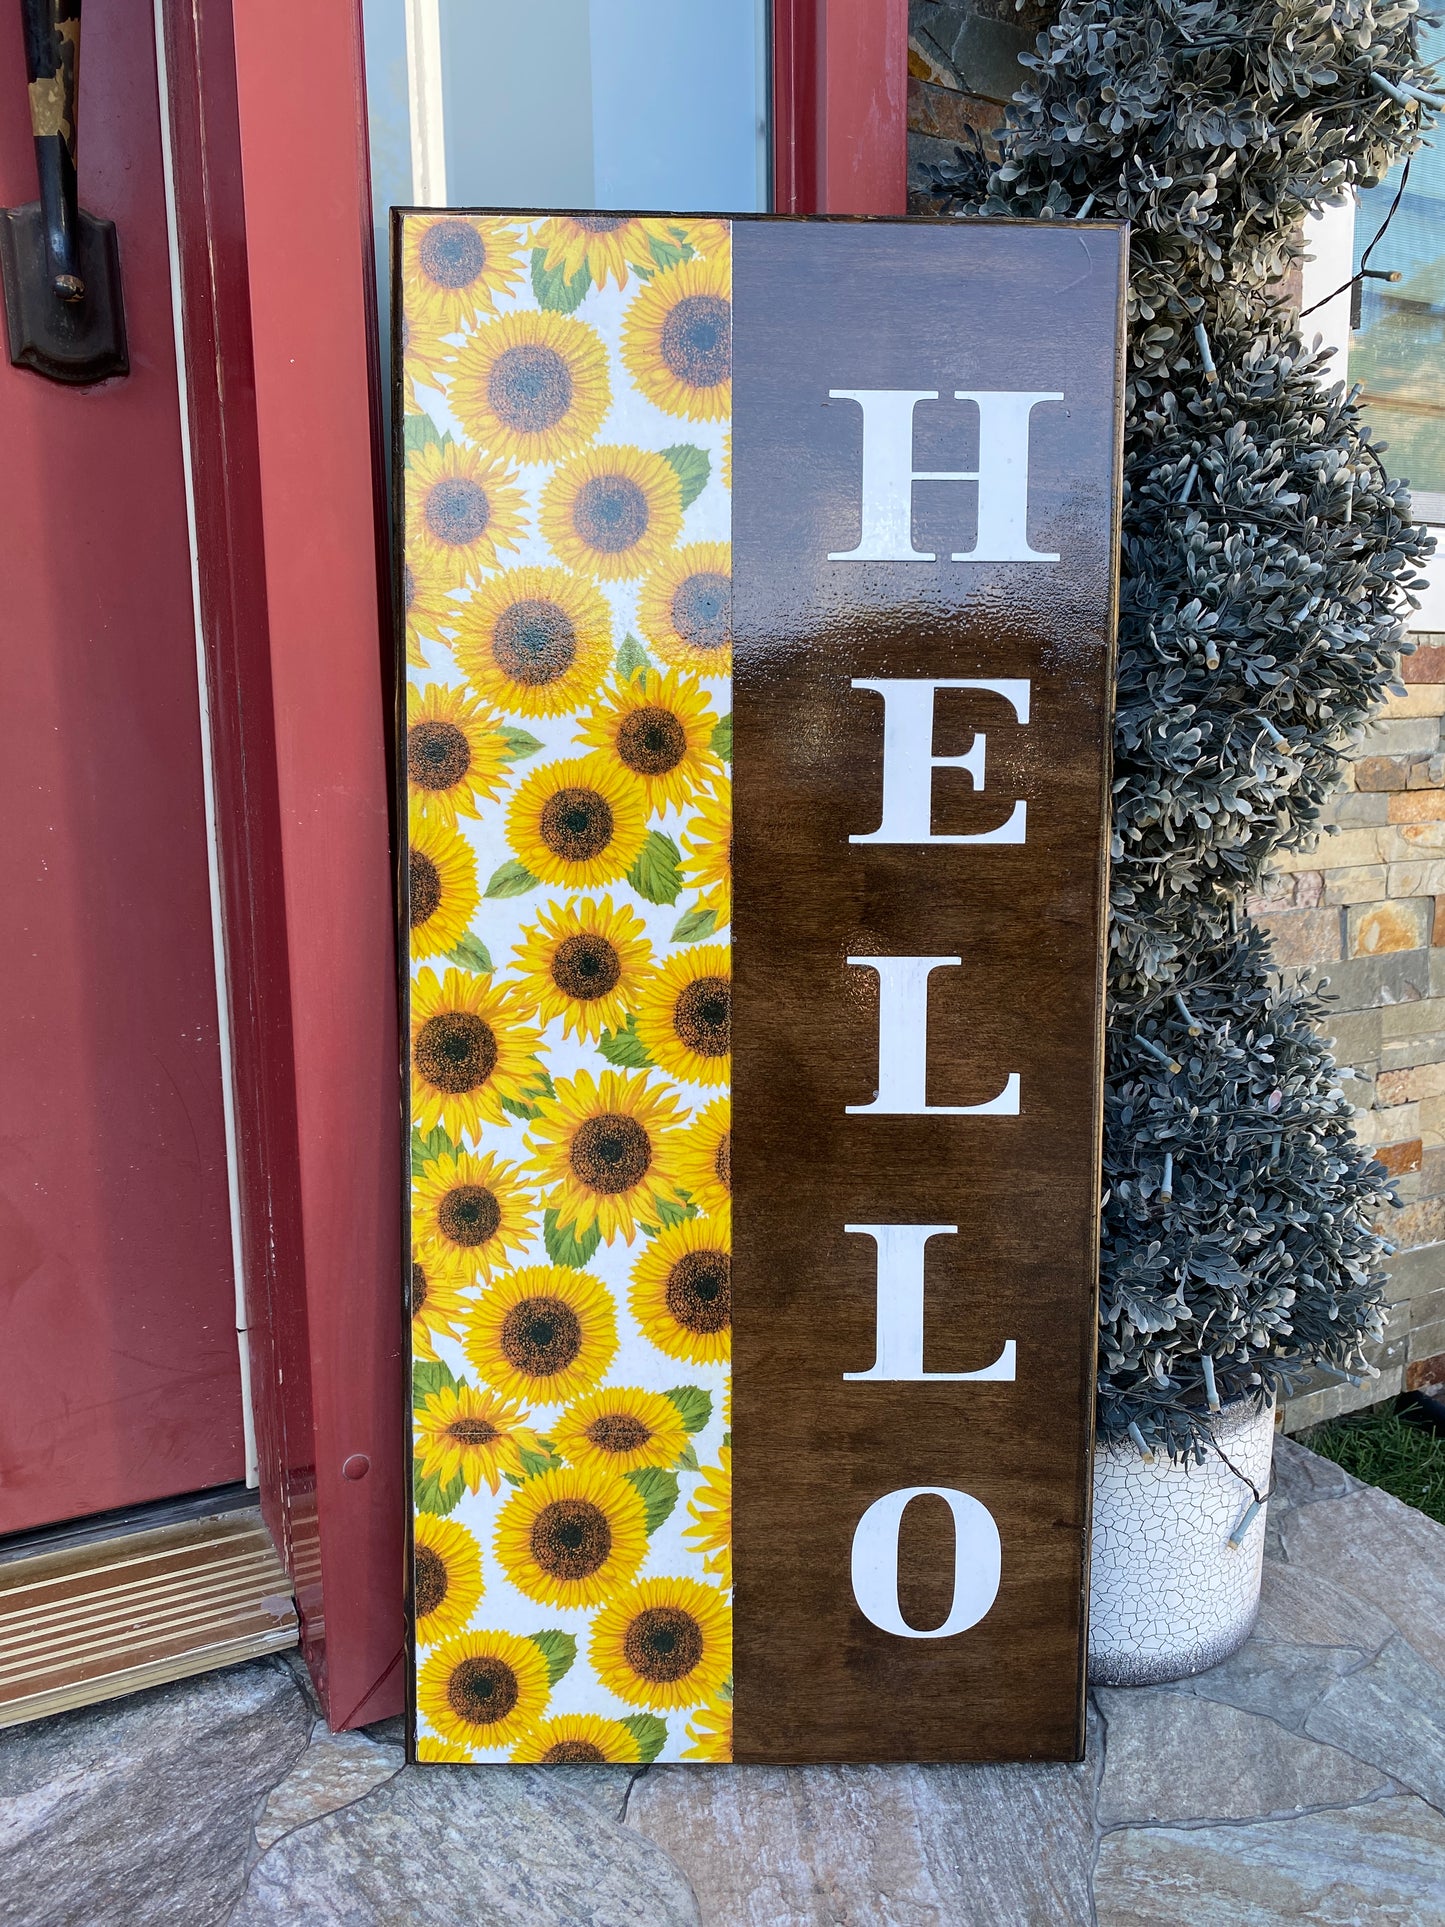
[61,266]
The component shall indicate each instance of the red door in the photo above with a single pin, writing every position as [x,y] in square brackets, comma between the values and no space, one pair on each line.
[119,1375]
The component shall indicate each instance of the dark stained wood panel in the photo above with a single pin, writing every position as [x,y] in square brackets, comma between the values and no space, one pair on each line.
[984,308]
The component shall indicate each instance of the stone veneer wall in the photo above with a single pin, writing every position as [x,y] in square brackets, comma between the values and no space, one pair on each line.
[1366,907]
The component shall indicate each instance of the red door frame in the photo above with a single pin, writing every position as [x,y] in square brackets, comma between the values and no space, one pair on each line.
[279,317]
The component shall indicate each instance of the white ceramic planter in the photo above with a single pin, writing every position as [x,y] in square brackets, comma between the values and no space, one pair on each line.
[1168,1594]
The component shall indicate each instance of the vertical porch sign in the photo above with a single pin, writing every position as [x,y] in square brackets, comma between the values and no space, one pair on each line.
[759,584]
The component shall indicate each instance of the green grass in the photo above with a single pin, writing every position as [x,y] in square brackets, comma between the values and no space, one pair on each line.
[1400,1455]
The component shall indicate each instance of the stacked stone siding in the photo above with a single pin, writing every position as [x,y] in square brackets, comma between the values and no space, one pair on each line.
[1366,909]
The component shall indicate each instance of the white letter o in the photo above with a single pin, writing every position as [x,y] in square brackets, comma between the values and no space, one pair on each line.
[977,1556]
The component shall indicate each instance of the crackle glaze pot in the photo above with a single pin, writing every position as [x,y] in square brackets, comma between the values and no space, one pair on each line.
[1169,1595]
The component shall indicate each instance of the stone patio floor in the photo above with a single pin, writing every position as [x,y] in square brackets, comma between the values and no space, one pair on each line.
[1302,1781]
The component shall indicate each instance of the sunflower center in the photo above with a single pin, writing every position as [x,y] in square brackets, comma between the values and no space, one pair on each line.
[418,1289]
[611,1153]
[618,1432]
[573,1753]
[600,223]
[530,388]
[541,1336]
[571,1539]
[576,824]
[610,513]
[429,1580]
[426,887]
[452,254]
[663,1644]
[702,610]
[438,755]
[456,1052]
[483,1690]
[469,1214]
[534,642]
[473,1431]
[651,741]
[585,967]
[702,1016]
[700,1291]
[696,340]
[722,1161]
[457,510]
[408,585]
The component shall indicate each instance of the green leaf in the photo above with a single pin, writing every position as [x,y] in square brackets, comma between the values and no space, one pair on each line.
[693,468]
[534,1462]
[559,1649]
[669,254]
[520,742]
[686,1461]
[472,954]
[541,1084]
[434,1144]
[649,1732]
[658,1490]
[519,1109]
[564,1247]
[552,288]
[657,873]
[624,1046]
[512,880]
[671,1213]
[431,1495]
[725,1691]
[428,1376]
[721,740]
[694,1405]
[419,431]
[632,658]
[693,925]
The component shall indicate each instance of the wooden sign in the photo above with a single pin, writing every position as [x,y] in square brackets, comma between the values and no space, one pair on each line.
[759,585]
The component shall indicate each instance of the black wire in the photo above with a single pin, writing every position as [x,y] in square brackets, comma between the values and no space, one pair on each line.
[1358,275]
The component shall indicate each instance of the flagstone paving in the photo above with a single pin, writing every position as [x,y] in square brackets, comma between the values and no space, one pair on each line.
[1303,1781]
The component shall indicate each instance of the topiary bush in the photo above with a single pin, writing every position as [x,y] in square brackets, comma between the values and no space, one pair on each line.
[1267,571]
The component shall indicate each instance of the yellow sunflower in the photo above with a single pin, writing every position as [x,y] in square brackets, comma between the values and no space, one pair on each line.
[455,754]
[428,609]
[612,512]
[463,1429]
[446,1577]
[684,1014]
[579,822]
[707,237]
[622,1427]
[711,1510]
[454,267]
[582,961]
[659,728]
[677,339]
[572,1537]
[461,507]
[707,852]
[536,642]
[544,1333]
[704,1159]
[605,1150]
[437,1752]
[442,885]
[605,244]
[682,1291]
[469,1050]
[468,1212]
[424,356]
[711,1731]
[686,608]
[579,1739]
[436,1302]
[531,387]
[665,1642]
[484,1689]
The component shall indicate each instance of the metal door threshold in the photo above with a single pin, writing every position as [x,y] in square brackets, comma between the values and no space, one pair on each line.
[90,1621]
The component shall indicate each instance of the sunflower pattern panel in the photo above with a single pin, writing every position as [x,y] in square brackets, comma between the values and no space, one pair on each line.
[566,388]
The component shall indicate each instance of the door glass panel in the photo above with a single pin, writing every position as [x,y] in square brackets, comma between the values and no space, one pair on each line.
[1397,350]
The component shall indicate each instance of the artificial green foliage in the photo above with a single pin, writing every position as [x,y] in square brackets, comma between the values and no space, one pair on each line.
[1267,566]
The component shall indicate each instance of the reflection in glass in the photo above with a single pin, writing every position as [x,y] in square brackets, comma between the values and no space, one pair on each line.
[1397,351]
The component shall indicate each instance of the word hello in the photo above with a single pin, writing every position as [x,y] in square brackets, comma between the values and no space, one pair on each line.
[1002,481]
